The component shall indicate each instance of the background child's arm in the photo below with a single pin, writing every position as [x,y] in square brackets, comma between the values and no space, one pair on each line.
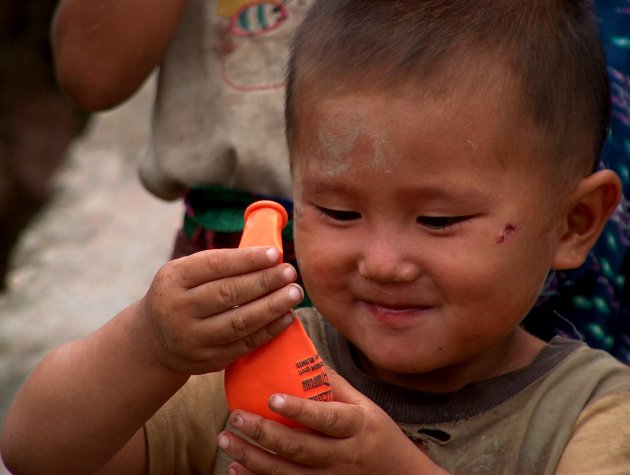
[105,49]
[86,400]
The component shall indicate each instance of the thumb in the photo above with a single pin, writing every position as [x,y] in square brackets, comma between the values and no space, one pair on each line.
[342,390]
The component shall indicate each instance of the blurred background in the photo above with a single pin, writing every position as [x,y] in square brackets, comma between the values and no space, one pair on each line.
[79,237]
[37,122]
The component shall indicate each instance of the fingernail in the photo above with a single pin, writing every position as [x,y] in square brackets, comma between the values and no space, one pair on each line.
[281,323]
[272,254]
[289,273]
[231,471]
[277,401]
[237,420]
[295,293]
[224,441]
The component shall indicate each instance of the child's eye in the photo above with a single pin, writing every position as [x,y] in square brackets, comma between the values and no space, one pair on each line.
[440,222]
[338,215]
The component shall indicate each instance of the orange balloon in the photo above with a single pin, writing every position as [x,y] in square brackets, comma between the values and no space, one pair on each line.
[289,363]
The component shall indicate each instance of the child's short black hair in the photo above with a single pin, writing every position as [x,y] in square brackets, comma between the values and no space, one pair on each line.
[551,47]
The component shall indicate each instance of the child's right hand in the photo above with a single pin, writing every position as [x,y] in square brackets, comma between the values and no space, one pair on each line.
[200,313]
[205,310]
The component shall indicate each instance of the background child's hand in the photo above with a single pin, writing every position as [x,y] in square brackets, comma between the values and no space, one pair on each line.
[351,435]
[205,310]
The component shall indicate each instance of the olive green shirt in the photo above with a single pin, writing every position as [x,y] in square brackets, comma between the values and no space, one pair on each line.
[568,412]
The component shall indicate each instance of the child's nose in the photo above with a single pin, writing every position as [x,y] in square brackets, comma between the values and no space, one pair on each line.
[386,261]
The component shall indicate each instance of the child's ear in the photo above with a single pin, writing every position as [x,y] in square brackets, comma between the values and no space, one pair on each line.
[588,209]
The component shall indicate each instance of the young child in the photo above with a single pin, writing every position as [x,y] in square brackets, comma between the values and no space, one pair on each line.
[439,173]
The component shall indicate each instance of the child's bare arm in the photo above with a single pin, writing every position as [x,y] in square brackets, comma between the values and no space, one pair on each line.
[88,398]
[105,49]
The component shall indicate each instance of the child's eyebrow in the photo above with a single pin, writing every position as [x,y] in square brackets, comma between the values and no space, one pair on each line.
[453,193]
[327,187]
[449,192]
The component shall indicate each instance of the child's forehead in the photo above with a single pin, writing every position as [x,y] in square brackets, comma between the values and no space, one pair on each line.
[460,83]
[444,110]
[372,129]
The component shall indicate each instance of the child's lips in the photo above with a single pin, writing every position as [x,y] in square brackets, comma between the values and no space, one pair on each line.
[388,313]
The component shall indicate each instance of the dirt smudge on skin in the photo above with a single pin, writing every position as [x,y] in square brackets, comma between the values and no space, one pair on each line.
[336,147]
[336,143]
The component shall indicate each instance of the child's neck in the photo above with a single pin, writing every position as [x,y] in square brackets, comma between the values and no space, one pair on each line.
[516,351]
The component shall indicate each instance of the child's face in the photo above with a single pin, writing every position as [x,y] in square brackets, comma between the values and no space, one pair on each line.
[424,231]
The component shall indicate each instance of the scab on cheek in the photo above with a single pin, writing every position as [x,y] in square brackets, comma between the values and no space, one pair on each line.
[506,233]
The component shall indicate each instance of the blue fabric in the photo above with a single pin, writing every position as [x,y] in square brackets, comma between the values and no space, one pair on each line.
[591,302]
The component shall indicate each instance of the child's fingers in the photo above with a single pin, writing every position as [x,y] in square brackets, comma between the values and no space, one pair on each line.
[300,446]
[231,351]
[240,323]
[200,355]
[221,295]
[335,419]
[237,469]
[206,266]
[343,391]
[254,459]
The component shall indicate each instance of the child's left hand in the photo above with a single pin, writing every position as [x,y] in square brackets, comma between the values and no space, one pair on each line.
[349,435]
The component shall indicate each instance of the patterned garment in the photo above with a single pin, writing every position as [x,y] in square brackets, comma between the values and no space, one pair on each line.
[593,303]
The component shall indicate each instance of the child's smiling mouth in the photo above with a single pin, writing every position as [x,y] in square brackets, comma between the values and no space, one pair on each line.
[396,315]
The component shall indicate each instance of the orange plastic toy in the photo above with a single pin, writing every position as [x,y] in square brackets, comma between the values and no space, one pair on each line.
[287,364]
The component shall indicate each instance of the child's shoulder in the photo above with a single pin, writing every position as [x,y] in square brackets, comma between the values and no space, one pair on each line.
[601,430]
[599,439]
[588,367]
